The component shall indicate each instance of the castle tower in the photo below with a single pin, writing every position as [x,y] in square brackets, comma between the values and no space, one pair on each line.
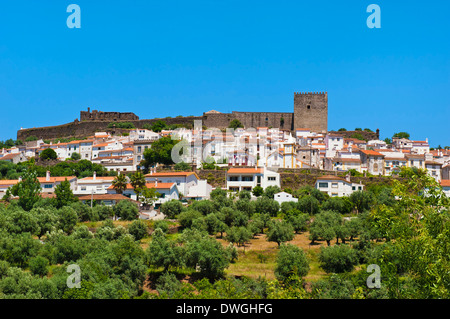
[311,111]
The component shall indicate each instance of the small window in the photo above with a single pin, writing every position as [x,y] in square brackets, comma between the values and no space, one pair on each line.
[323,185]
[308,107]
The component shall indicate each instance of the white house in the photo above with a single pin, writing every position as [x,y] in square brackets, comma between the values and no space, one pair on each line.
[94,185]
[200,191]
[105,199]
[49,183]
[5,184]
[188,183]
[167,191]
[337,186]
[372,161]
[240,178]
[420,147]
[282,197]
[434,169]
[143,134]
[333,143]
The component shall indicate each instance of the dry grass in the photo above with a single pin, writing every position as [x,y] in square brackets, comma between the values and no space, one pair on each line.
[258,257]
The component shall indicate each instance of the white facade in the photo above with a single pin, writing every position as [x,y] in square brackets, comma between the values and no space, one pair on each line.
[188,183]
[246,178]
[337,187]
[282,197]
[93,185]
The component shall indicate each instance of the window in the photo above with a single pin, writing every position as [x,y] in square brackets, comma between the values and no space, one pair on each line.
[83,188]
[308,107]
[271,178]
[48,186]
[360,187]
[323,185]
[139,150]
[334,194]
[233,178]
[353,188]
[247,178]
[334,185]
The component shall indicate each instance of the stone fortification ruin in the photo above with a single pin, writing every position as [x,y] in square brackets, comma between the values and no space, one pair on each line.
[310,111]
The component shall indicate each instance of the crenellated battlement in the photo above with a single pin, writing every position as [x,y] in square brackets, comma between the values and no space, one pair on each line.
[107,116]
[310,93]
[310,110]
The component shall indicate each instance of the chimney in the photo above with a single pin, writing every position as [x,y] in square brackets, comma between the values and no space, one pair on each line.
[95,175]
[47,176]
[347,177]
[20,179]
[156,182]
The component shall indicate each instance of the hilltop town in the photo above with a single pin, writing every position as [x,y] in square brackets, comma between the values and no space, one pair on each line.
[233,142]
[237,205]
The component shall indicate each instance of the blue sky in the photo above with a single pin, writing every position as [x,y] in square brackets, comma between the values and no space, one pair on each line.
[169,58]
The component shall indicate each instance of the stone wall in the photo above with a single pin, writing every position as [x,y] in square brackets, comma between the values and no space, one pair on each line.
[311,111]
[107,116]
[81,129]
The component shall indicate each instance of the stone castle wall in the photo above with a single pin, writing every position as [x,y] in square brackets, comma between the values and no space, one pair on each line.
[107,116]
[88,128]
[310,111]
[250,119]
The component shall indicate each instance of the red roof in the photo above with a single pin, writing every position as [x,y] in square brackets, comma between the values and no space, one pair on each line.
[245,170]
[445,183]
[150,185]
[9,156]
[371,152]
[55,179]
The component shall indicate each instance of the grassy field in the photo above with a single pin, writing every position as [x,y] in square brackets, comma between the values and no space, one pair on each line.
[256,258]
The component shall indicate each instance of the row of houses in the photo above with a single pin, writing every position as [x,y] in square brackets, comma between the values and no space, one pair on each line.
[180,185]
[263,149]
